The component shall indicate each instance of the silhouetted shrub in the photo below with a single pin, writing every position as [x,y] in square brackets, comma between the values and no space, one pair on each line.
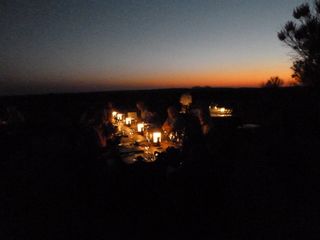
[273,82]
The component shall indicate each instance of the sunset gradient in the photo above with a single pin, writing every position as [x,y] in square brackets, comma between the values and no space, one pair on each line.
[75,46]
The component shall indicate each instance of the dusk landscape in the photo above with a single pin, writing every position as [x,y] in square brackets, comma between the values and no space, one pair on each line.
[171,119]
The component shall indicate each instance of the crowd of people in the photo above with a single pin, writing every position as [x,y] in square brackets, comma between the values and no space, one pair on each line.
[97,137]
[194,125]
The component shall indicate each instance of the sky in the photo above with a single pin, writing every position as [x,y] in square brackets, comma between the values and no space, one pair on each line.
[96,45]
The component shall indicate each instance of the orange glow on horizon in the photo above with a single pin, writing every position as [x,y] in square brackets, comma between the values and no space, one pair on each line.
[243,78]
[252,76]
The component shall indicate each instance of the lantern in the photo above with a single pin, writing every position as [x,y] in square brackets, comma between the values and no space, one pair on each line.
[119,116]
[156,137]
[140,127]
[128,120]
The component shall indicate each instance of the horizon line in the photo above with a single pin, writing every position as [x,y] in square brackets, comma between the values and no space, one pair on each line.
[133,90]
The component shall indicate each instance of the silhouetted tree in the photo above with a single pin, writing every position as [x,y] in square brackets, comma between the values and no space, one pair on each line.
[273,82]
[303,36]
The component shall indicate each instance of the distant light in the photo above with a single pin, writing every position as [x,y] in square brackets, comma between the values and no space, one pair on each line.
[220,111]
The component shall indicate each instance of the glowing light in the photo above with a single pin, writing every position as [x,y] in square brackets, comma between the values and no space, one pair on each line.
[128,120]
[119,116]
[220,111]
[157,137]
[140,127]
[114,114]
[186,99]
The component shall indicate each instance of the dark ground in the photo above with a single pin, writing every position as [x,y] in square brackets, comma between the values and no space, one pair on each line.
[260,184]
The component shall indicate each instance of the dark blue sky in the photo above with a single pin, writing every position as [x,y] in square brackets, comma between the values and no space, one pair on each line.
[76,45]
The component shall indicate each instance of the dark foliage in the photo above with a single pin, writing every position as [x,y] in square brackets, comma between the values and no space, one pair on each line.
[273,82]
[303,36]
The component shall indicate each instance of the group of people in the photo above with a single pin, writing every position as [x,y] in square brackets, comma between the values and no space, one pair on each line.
[194,125]
[176,120]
